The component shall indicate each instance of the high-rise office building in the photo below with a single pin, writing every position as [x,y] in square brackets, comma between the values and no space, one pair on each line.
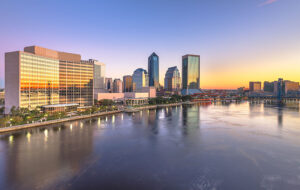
[153,70]
[127,83]
[172,79]
[99,76]
[191,72]
[75,80]
[254,86]
[140,79]
[280,89]
[117,86]
[108,84]
[38,76]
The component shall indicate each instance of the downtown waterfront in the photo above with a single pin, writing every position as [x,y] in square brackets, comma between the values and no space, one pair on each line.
[216,146]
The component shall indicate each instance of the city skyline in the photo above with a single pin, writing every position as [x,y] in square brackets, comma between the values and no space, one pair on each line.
[238,42]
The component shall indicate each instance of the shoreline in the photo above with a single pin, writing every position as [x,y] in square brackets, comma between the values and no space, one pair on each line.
[45,123]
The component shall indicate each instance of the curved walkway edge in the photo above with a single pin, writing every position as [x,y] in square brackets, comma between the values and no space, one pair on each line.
[39,124]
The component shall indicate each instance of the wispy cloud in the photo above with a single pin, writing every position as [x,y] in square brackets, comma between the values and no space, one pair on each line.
[267,2]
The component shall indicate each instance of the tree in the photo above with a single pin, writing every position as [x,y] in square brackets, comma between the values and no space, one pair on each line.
[106,102]
[186,98]
[4,121]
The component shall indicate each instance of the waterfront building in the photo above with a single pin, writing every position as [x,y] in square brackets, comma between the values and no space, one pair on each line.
[127,83]
[190,74]
[280,89]
[127,98]
[290,87]
[108,84]
[153,70]
[76,78]
[254,86]
[151,90]
[38,76]
[99,76]
[140,79]
[117,86]
[172,80]
[268,86]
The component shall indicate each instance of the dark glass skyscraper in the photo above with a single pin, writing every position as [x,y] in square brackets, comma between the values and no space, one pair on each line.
[153,70]
[191,72]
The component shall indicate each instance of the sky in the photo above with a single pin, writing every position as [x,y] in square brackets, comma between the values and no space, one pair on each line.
[238,40]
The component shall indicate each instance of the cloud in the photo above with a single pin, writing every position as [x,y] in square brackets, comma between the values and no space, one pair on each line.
[267,2]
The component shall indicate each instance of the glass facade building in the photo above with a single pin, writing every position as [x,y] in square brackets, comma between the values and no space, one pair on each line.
[191,72]
[39,81]
[153,70]
[38,76]
[127,83]
[172,79]
[140,79]
[76,82]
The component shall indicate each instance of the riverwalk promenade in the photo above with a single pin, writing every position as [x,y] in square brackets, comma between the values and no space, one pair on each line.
[39,124]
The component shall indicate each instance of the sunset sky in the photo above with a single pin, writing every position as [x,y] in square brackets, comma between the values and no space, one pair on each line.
[238,40]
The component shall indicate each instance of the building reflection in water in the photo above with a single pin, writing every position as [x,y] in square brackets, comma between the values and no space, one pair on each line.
[37,158]
[292,106]
[190,118]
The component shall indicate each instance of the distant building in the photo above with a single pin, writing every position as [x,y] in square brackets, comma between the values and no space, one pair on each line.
[153,70]
[140,79]
[127,83]
[172,79]
[99,76]
[38,76]
[290,87]
[117,86]
[240,90]
[279,88]
[268,86]
[108,84]
[254,86]
[190,74]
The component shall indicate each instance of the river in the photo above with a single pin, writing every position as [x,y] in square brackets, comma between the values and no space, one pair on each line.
[188,147]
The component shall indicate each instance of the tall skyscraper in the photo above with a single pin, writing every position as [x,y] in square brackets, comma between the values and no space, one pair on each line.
[38,76]
[190,74]
[108,84]
[280,89]
[153,70]
[117,87]
[127,83]
[254,86]
[172,79]
[99,76]
[140,79]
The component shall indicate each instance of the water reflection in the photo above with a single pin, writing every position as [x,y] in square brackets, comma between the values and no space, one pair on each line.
[237,146]
[36,164]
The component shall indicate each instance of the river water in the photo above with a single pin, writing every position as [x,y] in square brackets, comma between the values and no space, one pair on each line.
[234,146]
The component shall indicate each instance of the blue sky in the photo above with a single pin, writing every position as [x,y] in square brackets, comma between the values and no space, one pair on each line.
[238,40]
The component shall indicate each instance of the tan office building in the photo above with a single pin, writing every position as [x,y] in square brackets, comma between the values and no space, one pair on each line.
[254,86]
[127,83]
[38,76]
[290,86]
